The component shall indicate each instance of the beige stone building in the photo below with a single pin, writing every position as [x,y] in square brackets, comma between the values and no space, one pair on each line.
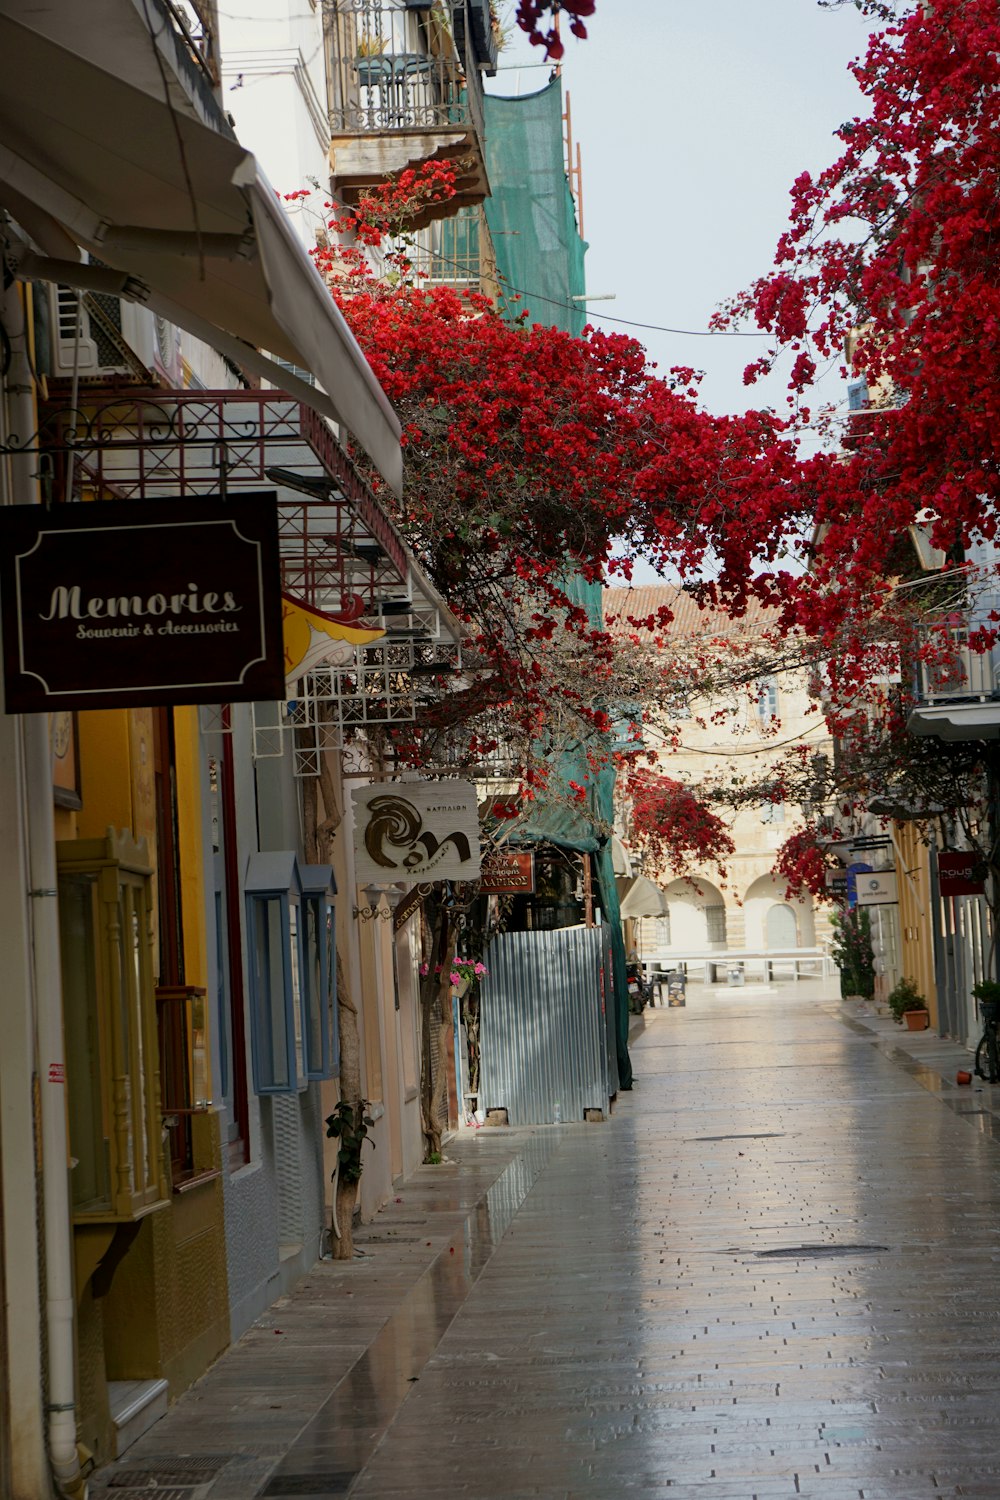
[733,734]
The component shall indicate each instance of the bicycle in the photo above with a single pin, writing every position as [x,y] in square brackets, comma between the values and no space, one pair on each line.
[988,1051]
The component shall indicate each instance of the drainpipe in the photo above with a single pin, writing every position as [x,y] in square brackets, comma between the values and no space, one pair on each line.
[59,1291]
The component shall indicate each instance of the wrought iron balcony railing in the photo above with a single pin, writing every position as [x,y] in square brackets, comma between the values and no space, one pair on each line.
[403,68]
[456,252]
[952,672]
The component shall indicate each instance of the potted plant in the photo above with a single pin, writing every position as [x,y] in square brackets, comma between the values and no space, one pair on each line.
[852,953]
[909,1006]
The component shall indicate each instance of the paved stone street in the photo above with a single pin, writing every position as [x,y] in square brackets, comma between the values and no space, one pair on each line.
[772,1274]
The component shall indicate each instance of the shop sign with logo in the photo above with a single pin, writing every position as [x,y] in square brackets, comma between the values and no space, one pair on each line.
[509,872]
[127,604]
[877,888]
[956,874]
[416,830]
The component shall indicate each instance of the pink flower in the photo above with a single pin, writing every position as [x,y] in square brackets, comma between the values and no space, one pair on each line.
[455,978]
[423,971]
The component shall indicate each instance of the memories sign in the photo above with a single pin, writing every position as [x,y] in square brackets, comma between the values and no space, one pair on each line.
[111,605]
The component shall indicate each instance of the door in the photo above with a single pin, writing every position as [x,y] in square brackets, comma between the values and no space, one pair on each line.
[781,929]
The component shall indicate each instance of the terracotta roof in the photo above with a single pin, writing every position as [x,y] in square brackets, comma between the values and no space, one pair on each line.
[688,619]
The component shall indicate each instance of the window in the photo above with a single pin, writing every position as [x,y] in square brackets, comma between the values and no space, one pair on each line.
[772,812]
[105,915]
[291,992]
[184,1086]
[320,972]
[767,700]
[715,924]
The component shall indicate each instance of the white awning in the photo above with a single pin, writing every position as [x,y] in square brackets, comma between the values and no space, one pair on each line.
[621,863]
[957,721]
[111,141]
[639,897]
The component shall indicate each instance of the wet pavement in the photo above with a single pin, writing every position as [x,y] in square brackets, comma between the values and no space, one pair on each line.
[771,1274]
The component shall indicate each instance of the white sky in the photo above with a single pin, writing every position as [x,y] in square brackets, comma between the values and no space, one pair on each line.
[694,118]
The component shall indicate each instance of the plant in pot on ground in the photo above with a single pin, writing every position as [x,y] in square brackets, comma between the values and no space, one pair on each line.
[906,1000]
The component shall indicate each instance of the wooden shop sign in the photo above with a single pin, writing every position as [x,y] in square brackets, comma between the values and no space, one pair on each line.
[508,873]
[126,604]
[410,903]
[416,830]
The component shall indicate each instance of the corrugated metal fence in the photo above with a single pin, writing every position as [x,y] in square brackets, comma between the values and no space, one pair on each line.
[543,1025]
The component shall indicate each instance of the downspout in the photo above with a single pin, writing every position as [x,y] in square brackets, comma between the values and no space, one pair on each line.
[59,1291]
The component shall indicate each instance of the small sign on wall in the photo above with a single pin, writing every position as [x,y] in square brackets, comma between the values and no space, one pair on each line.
[508,872]
[416,830]
[127,604]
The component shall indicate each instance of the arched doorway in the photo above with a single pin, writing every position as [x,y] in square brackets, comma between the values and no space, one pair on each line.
[781,929]
[697,915]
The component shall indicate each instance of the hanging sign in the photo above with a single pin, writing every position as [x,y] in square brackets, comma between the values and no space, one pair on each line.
[411,902]
[956,874]
[127,604]
[878,888]
[416,830]
[508,872]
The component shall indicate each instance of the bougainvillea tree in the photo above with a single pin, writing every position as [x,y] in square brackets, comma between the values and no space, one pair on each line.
[672,827]
[539,18]
[890,253]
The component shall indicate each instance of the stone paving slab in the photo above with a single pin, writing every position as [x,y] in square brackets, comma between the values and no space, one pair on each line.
[767,1275]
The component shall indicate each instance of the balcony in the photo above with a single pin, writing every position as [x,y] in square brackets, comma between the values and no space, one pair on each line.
[406,89]
[956,689]
[456,253]
[339,552]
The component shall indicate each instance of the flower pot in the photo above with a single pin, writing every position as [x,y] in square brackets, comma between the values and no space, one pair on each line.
[917,1020]
[962,1076]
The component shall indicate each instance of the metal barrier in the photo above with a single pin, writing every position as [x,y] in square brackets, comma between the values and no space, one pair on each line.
[543,1025]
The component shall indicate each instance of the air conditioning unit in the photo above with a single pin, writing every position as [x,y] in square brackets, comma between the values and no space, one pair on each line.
[102,337]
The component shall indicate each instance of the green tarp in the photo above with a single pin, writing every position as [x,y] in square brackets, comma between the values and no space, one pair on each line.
[539,252]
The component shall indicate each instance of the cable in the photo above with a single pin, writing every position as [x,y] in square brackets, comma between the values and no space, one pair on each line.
[691,333]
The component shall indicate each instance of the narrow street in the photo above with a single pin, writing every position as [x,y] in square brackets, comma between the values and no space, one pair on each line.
[770,1275]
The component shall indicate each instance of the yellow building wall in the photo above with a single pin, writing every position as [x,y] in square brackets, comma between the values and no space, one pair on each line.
[165,1312]
[913,889]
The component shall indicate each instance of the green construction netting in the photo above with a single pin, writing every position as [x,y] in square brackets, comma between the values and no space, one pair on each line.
[530,211]
[539,253]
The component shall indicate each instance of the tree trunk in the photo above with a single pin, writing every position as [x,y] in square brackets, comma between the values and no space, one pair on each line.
[345,1197]
[435,1019]
[318,839]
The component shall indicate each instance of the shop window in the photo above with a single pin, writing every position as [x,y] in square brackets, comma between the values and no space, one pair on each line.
[106,941]
[290,936]
[319,975]
[184,1080]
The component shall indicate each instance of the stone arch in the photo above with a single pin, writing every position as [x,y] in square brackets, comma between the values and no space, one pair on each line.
[697,915]
[765,895]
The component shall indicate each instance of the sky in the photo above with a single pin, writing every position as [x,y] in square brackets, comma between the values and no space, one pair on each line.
[694,117]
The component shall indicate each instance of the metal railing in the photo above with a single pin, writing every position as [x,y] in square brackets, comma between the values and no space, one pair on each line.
[402,67]
[952,671]
[456,252]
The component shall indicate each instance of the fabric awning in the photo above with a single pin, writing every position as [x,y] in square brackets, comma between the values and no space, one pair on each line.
[111,141]
[639,897]
[956,721]
[621,862]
